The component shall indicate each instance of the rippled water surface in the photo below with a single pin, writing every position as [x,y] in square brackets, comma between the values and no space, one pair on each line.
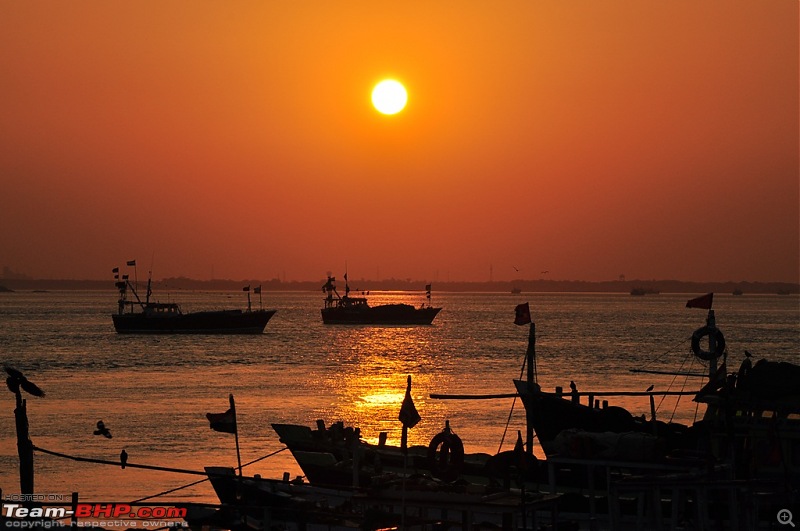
[153,391]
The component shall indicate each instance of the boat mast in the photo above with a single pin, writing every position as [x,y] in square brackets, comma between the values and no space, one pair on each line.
[711,322]
[532,385]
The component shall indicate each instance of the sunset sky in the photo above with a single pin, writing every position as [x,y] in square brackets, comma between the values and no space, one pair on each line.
[590,139]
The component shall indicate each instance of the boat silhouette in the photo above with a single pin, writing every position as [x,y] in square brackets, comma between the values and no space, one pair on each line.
[357,311]
[139,316]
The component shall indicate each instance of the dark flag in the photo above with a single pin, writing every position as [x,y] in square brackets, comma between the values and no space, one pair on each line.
[427,287]
[257,289]
[523,314]
[408,416]
[115,270]
[408,412]
[224,422]
[246,288]
[703,302]
[131,263]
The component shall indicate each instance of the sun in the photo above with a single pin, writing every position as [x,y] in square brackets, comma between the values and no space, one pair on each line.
[389,96]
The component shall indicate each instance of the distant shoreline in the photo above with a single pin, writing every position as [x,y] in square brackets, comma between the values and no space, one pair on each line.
[525,286]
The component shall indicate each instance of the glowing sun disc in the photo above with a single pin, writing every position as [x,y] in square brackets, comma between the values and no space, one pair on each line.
[389,97]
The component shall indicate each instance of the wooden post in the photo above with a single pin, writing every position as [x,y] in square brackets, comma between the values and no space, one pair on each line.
[24,447]
[74,523]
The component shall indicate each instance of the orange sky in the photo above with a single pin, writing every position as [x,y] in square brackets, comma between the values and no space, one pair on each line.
[655,139]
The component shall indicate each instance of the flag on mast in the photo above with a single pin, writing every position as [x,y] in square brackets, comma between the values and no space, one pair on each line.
[408,416]
[224,422]
[523,314]
[703,302]
[408,411]
[131,263]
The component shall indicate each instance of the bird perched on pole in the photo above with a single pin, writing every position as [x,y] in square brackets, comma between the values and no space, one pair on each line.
[17,380]
[123,458]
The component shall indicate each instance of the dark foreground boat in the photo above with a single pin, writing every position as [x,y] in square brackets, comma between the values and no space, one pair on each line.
[357,311]
[146,317]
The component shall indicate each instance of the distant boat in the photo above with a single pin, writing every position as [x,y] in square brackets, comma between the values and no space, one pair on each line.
[516,290]
[356,310]
[783,292]
[167,317]
[738,292]
[638,292]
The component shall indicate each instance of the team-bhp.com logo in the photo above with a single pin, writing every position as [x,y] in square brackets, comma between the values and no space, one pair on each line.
[143,515]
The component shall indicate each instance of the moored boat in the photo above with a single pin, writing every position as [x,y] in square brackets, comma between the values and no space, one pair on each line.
[150,317]
[345,309]
[751,422]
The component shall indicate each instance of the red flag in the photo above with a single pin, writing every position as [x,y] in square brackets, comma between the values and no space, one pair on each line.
[703,302]
[523,314]
[257,289]
[224,422]
[408,412]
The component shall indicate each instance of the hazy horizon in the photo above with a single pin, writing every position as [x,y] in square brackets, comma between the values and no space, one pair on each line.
[142,275]
[589,140]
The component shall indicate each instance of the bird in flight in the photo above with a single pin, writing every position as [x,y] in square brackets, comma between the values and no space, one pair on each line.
[102,430]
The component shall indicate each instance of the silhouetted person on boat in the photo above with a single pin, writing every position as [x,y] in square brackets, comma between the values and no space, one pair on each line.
[575,398]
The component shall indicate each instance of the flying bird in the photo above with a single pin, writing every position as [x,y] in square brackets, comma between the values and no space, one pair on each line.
[102,430]
[16,380]
[123,458]
[515,269]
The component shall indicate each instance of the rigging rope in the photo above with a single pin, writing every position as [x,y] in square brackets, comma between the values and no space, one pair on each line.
[513,403]
[170,491]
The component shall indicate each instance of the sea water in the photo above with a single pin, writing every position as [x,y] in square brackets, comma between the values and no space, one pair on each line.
[153,392]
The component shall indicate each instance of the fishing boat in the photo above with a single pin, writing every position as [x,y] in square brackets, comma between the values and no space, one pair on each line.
[640,292]
[751,422]
[390,502]
[337,455]
[144,316]
[349,310]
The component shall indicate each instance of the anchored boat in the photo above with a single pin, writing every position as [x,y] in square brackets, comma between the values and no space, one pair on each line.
[139,316]
[357,311]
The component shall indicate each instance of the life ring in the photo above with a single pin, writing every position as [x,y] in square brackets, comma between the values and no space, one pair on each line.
[699,334]
[448,464]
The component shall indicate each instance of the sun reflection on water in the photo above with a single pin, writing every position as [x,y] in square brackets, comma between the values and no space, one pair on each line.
[370,387]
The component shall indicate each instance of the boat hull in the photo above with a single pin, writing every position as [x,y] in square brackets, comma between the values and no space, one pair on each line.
[211,322]
[551,415]
[387,314]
